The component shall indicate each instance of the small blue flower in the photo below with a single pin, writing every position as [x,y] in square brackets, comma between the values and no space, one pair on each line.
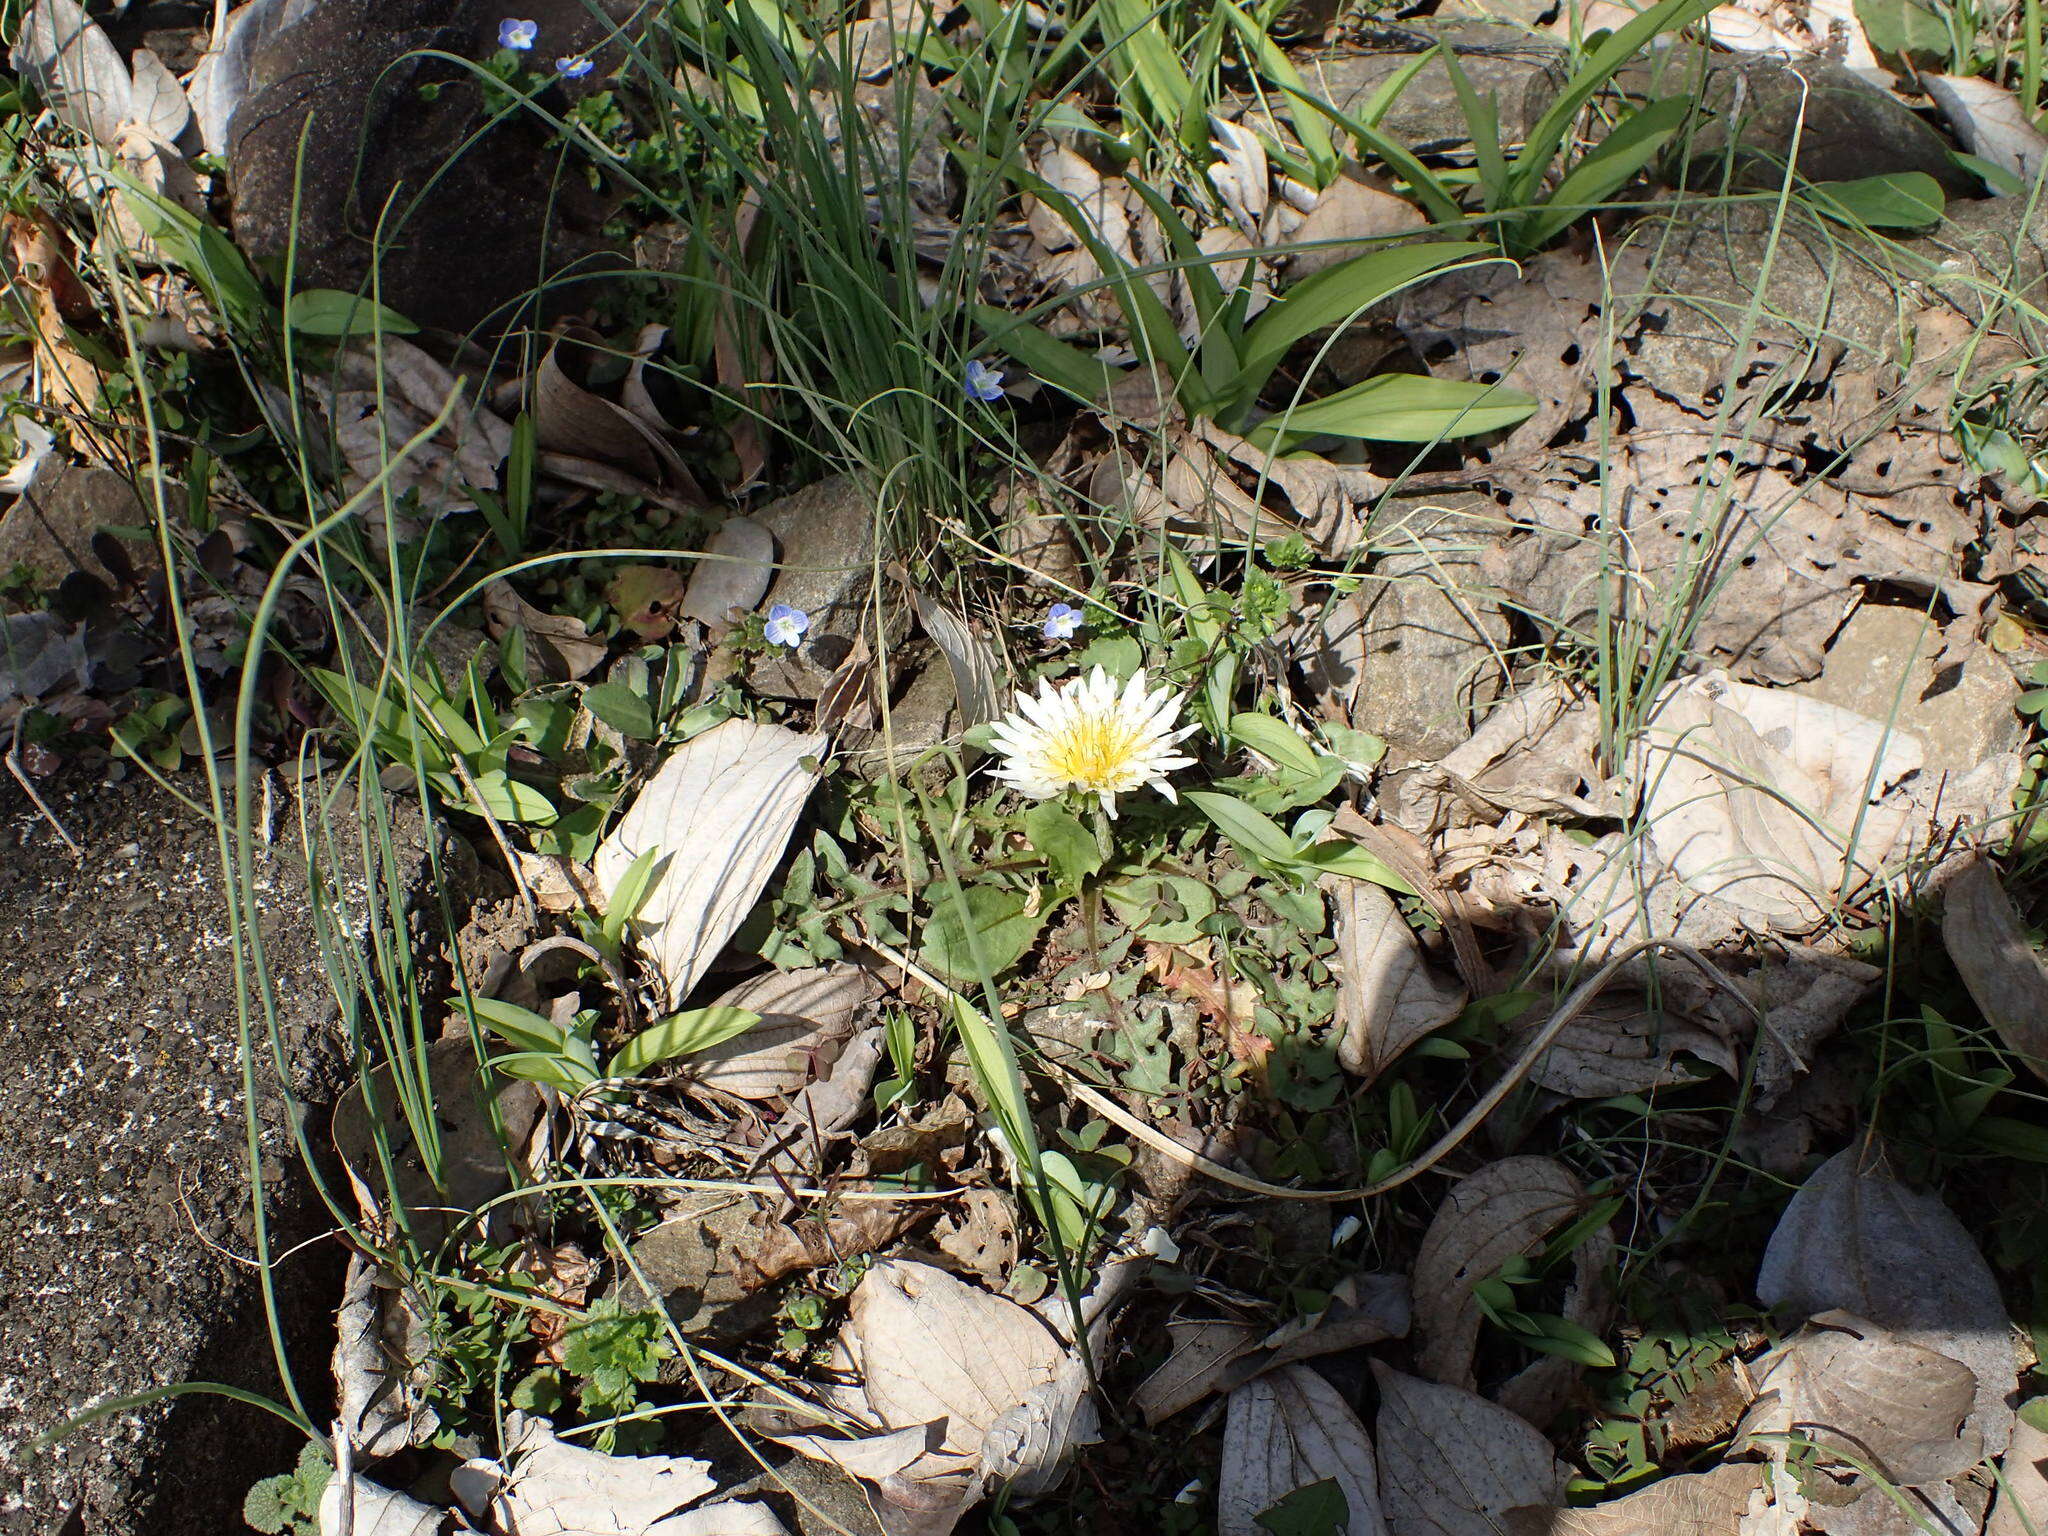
[983,382]
[517,35]
[574,69]
[786,625]
[1062,621]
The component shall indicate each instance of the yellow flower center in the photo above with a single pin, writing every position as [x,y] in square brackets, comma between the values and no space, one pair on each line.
[1093,753]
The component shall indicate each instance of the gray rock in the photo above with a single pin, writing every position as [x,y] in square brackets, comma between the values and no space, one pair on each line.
[825,538]
[124,1181]
[49,530]
[1764,109]
[1960,706]
[1522,74]
[1417,649]
[692,1267]
[466,234]
[812,1498]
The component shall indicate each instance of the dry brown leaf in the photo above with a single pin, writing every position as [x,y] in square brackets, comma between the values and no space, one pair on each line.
[718,811]
[2022,1507]
[806,1019]
[385,396]
[1624,1044]
[559,646]
[1690,1504]
[1855,1240]
[570,419]
[382,1364]
[649,599]
[1504,1210]
[1193,1366]
[543,1486]
[1879,1402]
[740,564]
[796,1143]
[376,1511]
[76,69]
[1987,939]
[1286,1430]
[1387,996]
[1364,218]
[1453,1464]
[813,1242]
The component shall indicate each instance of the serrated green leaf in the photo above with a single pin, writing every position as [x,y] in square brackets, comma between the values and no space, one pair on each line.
[1069,849]
[984,926]
[621,708]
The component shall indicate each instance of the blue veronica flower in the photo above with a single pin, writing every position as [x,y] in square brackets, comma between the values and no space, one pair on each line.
[574,69]
[516,34]
[983,382]
[786,625]
[1062,620]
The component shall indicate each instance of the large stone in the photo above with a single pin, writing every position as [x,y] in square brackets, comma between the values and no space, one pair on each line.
[1765,113]
[1521,73]
[694,1268]
[825,546]
[49,530]
[472,216]
[125,1187]
[1420,646]
[1888,663]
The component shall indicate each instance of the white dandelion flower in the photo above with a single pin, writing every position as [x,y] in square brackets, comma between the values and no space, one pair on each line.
[1091,736]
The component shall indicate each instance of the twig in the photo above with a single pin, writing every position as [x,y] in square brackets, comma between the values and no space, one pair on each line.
[1574,1005]
[21,777]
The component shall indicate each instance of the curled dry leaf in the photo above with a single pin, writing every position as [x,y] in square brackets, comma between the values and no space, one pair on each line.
[738,565]
[1219,1356]
[956,1385]
[543,1486]
[1349,211]
[1453,1464]
[1987,939]
[375,1511]
[559,646]
[76,70]
[1691,1504]
[570,419]
[378,1346]
[977,669]
[718,813]
[1504,1210]
[1991,123]
[806,1018]
[375,412]
[1387,996]
[1287,1430]
[795,1144]
[1875,1400]
[813,1242]
[1856,1240]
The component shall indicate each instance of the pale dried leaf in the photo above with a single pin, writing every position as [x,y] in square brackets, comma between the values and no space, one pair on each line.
[740,564]
[1363,218]
[544,1486]
[2022,1507]
[1505,1209]
[795,1144]
[1856,1389]
[806,1018]
[559,646]
[1987,939]
[719,811]
[1690,1504]
[376,1511]
[1878,1509]
[977,669]
[1623,1044]
[380,1407]
[1453,1464]
[1286,1430]
[1192,1368]
[75,69]
[156,100]
[1990,122]
[1239,172]
[1855,1240]
[932,1348]
[219,82]
[1387,996]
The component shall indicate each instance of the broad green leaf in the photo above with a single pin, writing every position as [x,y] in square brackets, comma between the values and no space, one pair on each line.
[1430,189]
[508,799]
[1605,168]
[1402,408]
[1320,1509]
[983,930]
[1131,31]
[1273,62]
[1899,200]
[1055,361]
[1905,30]
[1255,836]
[1335,294]
[1069,849]
[1482,127]
[623,709]
[543,1067]
[1345,858]
[680,1034]
[1276,741]
[522,1027]
[629,893]
[331,312]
